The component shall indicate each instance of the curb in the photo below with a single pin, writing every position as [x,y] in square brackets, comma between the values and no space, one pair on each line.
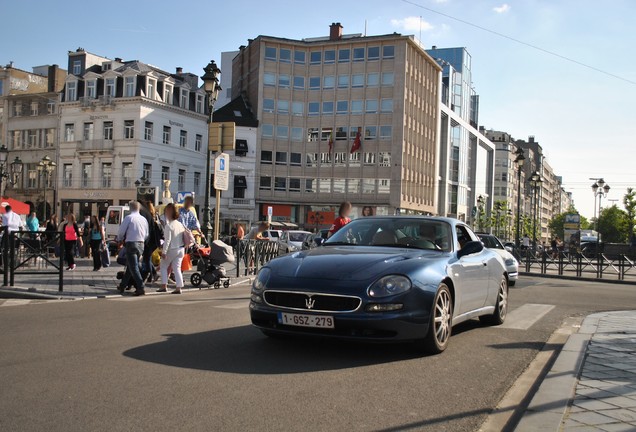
[30,294]
[580,279]
[549,405]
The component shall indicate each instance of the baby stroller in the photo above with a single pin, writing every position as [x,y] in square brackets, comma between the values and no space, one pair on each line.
[209,268]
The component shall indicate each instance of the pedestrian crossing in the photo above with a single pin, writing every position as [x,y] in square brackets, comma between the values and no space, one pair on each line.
[525,316]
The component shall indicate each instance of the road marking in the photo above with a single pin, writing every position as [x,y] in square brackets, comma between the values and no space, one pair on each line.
[15,302]
[241,305]
[526,316]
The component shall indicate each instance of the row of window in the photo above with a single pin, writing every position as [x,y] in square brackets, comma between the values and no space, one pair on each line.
[325,185]
[341,107]
[105,179]
[339,133]
[32,138]
[88,133]
[338,158]
[130,90]
[35,108]
[35,179]
[329,56]
[327,82]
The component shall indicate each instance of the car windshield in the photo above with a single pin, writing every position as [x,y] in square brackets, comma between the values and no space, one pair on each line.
[395,232]
[297,236]
[491,242]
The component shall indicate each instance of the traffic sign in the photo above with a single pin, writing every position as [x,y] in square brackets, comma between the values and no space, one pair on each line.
[270,212]
[181,196]
[222,171]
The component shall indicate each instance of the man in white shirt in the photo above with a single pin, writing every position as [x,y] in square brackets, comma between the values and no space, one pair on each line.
[12,221]
[133,232]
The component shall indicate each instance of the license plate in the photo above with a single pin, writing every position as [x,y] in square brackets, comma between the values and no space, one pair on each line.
[301,320]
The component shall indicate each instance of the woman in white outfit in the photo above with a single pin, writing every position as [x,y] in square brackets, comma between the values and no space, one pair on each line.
[173,249]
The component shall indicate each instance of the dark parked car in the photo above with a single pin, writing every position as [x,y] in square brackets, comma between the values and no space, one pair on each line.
[387,278]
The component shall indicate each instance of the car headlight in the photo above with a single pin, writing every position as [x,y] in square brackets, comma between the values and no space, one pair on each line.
[261,279]
[511,262]
[389,286]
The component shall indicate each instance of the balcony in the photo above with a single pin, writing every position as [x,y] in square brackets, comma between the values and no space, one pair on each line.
[95,145]
[241,203]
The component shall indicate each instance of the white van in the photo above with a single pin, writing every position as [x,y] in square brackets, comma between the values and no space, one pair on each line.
[114,217]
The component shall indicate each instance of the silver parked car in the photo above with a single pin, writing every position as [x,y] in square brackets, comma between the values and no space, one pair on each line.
[292,241]
[512,265]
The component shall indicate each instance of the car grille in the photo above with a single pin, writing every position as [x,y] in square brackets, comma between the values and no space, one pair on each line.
[311,301]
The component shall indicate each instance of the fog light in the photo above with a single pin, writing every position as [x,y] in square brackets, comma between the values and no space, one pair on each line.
[256,298]
[383,307]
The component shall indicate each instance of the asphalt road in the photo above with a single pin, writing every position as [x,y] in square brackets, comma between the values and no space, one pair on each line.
[193,363]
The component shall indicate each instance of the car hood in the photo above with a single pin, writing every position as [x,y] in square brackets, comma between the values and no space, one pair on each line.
[503,253]
[346,262]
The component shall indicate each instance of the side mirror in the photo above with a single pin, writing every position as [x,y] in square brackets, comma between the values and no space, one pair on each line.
[470,248]
[319,241]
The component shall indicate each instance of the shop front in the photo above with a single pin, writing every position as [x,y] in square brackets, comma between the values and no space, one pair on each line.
[91,203]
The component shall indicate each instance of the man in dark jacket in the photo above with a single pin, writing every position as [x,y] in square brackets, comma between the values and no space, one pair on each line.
[153,242]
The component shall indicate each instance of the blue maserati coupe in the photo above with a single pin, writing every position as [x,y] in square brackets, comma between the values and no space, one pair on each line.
[384,278]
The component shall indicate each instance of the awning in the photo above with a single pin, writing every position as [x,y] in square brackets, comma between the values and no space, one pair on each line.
[241,146]
[17,207]
[289,225]
[276,224]
[240,182]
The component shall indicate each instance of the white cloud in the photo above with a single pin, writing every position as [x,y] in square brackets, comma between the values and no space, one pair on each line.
[441,1]
[412,23]
[502,9]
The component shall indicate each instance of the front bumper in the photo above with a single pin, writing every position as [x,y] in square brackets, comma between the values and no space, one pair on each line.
[397,326]
[513,273]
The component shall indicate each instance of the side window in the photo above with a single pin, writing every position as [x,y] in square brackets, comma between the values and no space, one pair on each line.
[463,235]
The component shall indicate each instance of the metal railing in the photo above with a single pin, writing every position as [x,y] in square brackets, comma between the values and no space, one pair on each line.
[31,253]
[620,266]
[253,254]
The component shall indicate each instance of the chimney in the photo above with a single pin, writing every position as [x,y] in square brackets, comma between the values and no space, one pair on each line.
[118,60]
[434,47]
[531,138]
[179,70]
[335,31]
[52,77]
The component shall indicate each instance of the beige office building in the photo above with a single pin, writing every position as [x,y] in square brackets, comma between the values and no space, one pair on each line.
[313,97]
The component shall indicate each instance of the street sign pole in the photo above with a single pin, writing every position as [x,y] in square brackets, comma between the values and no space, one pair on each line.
[221,182]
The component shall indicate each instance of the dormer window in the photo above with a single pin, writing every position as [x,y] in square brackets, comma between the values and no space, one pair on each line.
[111,87]
[91,89]
[199,107]
[77,67]
[167,93]
[183,102]
[150,88]
[106,66]
[71,91]
[129,84]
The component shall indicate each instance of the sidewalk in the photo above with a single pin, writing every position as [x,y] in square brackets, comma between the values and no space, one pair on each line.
[83,282]
[592,384]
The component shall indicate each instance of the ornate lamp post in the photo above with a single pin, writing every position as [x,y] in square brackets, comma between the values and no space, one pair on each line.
[509,224]
[535,183]
[481,201]
[211,86]
[46,167]
[12,174]
[519,160]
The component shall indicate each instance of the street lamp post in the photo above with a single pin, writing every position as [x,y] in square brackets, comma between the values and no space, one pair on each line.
[211,86]
[519,160]
[535,183]
[497,220]
[13,172]
[509,225]
[45,169]
[480,208]
[600,189]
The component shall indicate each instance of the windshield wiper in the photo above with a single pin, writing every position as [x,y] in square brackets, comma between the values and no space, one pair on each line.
[405,246]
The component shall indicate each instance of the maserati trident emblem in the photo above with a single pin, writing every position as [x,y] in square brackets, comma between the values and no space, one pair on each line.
[309,302]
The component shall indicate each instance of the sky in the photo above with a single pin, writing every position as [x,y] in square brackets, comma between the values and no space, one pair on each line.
[583,118]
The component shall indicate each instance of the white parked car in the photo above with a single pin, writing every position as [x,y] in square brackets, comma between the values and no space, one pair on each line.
[292,241]
[272,235]
[512,265]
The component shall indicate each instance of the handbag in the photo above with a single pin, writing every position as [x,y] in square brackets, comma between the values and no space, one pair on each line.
[105,256]
[121,256]
[155,258]
[186,264]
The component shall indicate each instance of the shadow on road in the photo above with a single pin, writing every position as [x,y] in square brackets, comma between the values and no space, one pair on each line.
[244,350]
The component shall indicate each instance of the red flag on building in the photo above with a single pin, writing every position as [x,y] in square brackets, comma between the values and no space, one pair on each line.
[357,143]
[331,142]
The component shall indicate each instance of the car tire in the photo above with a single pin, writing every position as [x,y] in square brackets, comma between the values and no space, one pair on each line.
[501,306]
[511,283]
[441,322]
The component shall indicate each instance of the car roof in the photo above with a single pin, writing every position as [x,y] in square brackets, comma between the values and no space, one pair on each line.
[451,221]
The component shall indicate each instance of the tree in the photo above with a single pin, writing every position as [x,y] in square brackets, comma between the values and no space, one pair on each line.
[611,224]
[556,224]
[629,202]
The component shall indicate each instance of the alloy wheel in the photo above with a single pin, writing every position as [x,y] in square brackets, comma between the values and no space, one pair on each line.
[442,317]
[502,299]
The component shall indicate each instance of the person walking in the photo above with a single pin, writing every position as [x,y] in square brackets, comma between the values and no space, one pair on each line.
[133,232]
[86,235]
[256,233]
[51,227]
[71,238]
[187,217]
[98,241]
[155,235]
[32,223]
[11,220]
[173,249]
[343,218]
